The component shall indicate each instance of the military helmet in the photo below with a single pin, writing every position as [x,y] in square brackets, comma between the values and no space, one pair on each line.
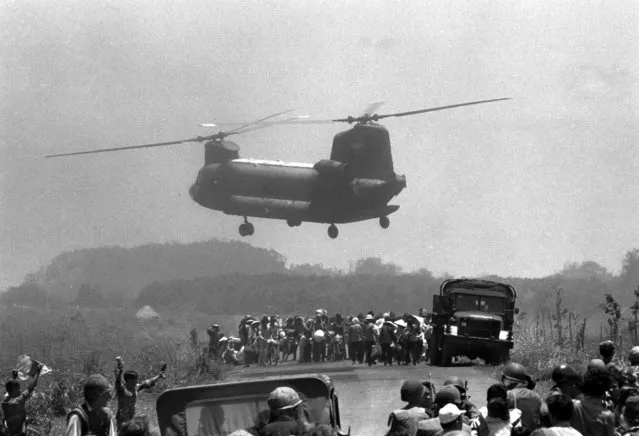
[564,373]
[457,382]
[633,357]
[515,372]
[596,363]
[446,395]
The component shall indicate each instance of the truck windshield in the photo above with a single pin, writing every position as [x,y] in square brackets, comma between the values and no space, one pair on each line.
[480,303]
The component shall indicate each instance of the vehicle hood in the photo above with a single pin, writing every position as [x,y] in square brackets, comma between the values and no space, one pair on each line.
[478,315]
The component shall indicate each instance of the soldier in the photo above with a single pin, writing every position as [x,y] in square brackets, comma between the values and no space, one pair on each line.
[521,395]
[631,416]
[14,404]
[93,417]
[413,393]
[470,410]
[128,392]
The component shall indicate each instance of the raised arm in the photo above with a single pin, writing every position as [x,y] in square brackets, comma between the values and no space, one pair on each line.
[119,368]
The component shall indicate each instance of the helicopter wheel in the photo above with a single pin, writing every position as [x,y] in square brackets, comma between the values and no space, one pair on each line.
[246,229]
[384,222]
[293,223]
[333,231]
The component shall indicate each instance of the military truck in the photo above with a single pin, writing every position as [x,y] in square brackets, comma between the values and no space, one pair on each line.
[472,318]
[219,409]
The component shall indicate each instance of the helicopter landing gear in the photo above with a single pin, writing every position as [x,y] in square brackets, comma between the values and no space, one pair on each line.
[333,231]
[246,228]
[384,222]
[293,223]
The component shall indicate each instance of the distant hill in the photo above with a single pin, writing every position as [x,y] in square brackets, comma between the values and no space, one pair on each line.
[118,271]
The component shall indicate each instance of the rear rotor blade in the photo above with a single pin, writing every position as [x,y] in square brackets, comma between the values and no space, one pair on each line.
[439,108]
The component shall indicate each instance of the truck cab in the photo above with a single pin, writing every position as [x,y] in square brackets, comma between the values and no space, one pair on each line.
[472,318]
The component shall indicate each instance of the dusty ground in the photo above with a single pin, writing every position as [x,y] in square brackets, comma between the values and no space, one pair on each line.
[366,394]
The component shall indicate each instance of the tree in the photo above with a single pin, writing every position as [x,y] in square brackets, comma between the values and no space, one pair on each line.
[375,266]
[635,311]
[613,310]
[630,269]
[89,296]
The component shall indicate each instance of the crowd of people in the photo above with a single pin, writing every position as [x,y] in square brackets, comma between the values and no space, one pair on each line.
[385,338]
[92,417]
[603,401]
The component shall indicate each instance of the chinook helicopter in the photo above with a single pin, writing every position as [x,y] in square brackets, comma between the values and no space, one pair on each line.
[355,184]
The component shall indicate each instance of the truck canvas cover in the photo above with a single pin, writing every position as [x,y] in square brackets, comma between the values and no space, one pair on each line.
[485,286]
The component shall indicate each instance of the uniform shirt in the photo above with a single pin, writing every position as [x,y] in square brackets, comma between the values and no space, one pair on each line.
[74,424]
[529,402]
[563,430]
[15,412]
[432,427]
[591,418]
[407,418]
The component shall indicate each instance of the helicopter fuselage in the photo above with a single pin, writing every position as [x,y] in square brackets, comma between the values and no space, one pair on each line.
[323,192]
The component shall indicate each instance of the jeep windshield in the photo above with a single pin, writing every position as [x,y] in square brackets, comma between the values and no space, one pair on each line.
[480,303]
[222,417]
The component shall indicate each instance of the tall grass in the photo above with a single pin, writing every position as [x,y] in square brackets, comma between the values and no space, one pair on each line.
[76,343]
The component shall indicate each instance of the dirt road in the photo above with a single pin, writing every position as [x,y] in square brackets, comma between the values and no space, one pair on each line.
[368,394]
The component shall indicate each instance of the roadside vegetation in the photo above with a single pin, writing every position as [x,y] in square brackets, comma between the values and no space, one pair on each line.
[68,318]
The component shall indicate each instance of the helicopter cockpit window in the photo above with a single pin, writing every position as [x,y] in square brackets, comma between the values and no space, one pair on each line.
[221,418]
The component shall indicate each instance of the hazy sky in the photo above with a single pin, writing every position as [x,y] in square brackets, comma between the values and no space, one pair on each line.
[513,188]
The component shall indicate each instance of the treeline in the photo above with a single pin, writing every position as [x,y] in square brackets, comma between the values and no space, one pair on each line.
[287,294]
[122,272]
[583,286]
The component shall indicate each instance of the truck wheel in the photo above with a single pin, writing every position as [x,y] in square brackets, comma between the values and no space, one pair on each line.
[447,355]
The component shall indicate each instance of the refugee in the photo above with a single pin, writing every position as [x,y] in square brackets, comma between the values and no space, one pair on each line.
[214,337]
[370,338]
[450,418]
[387,340]
[590,416]
[127,392]
[356,341]
[14,404]
[560,409]
[521,395]
[138,426]
[496,419]
[93,417]
[607,352]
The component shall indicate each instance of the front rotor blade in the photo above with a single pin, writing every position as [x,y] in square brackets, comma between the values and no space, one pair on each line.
[372,108]
[157,144]
[421,111]
[259,121]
